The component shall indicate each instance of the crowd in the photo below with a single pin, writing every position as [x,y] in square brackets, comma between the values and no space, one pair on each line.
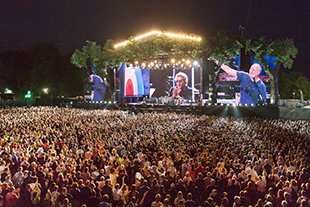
[75,157]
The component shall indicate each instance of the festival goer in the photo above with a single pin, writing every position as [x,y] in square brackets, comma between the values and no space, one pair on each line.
[155,144]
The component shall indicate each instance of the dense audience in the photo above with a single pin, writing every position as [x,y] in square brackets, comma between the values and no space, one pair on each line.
[74,157]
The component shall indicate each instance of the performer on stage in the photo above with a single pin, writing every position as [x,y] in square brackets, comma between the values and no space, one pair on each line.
[98,87]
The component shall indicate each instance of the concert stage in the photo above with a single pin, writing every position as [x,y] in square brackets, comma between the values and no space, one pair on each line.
[216,110]
[220,110]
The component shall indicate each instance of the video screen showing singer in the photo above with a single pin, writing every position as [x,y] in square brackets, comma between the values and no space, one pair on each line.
[98,87]
[181,90]
[252,88]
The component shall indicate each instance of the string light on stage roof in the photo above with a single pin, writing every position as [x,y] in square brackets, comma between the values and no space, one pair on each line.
[162,64]
[157,33]
[196,63]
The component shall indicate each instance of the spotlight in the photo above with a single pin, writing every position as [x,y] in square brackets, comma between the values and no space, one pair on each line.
[45,90]
[8,91]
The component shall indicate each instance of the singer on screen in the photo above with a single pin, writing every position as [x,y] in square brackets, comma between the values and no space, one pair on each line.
[252,88]
[181,90]
[98,87]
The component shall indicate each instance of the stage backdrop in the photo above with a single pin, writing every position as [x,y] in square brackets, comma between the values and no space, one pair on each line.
[132,81]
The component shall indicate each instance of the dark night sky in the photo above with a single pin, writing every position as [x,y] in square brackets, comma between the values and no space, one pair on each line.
[69,23]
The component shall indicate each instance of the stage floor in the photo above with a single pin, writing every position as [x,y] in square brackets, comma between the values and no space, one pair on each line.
[220,110]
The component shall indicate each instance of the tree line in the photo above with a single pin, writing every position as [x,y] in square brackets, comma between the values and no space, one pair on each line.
[43,66]
[221,47]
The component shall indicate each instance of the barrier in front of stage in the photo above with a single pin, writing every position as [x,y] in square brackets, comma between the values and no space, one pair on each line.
[294,113]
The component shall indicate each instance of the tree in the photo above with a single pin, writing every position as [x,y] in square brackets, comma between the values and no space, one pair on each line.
[293,82]
[134,50]
[302,84]
[2,75]
[74,87]
[162,44]
[222,48]
[281,50]
[285,85]
[91,52]
[142,50]
[15,72]
[98,60]
[47,68]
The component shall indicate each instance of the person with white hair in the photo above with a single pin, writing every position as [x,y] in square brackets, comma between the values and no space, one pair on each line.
[252,88]
[181,89]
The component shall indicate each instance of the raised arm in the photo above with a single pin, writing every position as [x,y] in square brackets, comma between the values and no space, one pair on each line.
[227,69]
